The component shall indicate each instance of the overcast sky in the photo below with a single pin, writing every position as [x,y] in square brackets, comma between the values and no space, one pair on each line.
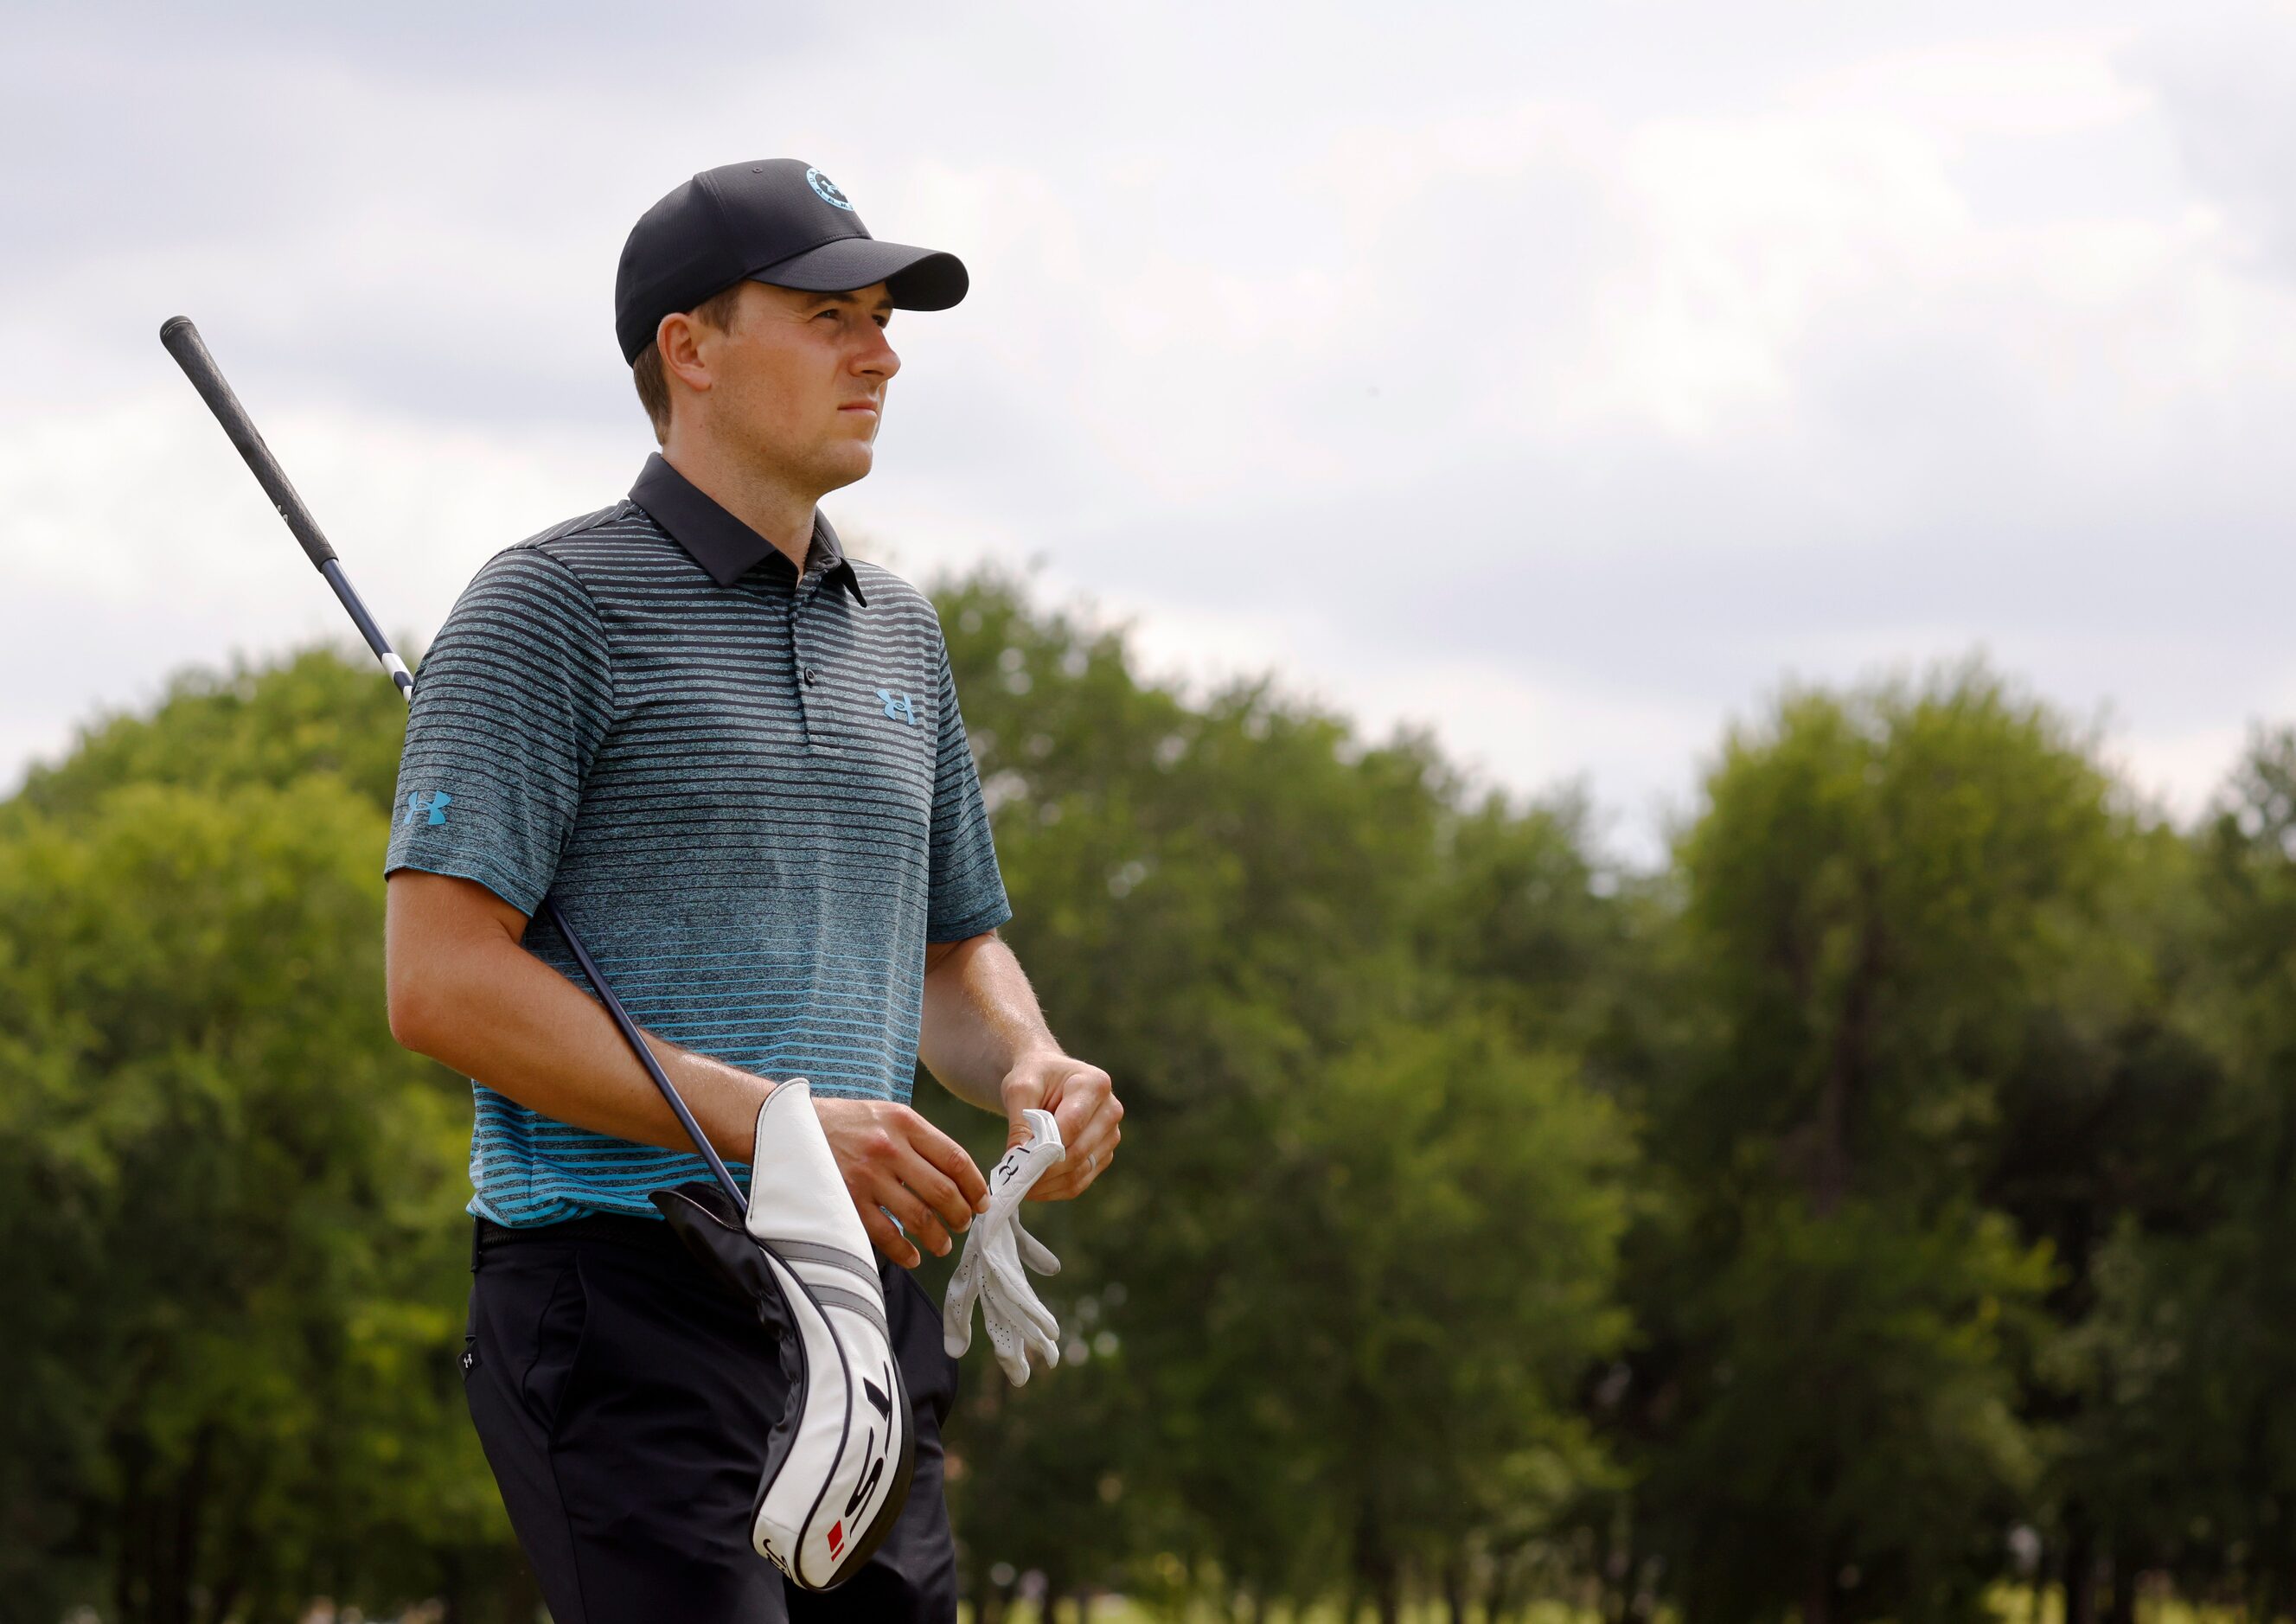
[1565,378]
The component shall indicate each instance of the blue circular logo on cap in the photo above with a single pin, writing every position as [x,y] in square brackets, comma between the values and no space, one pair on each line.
[825,189]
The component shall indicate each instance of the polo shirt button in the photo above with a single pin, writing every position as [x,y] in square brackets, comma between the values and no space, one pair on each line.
[811,675]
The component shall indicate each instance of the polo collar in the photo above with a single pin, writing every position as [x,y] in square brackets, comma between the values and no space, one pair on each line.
[720,542]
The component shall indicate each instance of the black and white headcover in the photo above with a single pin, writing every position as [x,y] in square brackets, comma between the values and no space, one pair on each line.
[838,1462]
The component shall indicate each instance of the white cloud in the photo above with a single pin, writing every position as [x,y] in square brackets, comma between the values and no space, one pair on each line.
[2228,86]
[137,543]
[1469,364]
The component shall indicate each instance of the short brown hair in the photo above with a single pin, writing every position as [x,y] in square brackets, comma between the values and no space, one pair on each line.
[719,310]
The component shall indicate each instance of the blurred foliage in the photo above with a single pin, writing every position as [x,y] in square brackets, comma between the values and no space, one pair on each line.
[1887,1198]
[228,1213]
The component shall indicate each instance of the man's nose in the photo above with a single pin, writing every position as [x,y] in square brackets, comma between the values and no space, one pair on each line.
[876,358]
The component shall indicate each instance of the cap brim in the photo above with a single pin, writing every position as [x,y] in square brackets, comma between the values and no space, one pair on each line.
[917,278]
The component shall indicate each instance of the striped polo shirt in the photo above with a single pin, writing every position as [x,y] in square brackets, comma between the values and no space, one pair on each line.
[748,789]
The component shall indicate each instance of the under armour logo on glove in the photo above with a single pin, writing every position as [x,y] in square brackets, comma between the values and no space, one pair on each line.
[995,1251]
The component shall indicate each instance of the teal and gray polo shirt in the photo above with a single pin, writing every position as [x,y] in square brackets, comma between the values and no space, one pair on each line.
[748,789]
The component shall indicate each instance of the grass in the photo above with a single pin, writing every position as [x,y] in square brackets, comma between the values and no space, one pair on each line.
[1116,1610]
[2009,1605]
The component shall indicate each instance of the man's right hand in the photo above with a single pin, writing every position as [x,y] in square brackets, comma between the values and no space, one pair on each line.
[894,1159]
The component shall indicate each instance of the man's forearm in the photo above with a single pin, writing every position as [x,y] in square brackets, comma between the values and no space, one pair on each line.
[980,1017]
[473,998]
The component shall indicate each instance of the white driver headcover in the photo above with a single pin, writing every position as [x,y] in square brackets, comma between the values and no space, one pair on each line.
[849,1459]
[996,1249]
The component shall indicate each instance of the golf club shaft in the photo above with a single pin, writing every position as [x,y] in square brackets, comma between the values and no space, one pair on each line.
[183,342]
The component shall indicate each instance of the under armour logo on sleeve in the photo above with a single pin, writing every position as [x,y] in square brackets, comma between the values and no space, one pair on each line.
[433,801]
[897,706]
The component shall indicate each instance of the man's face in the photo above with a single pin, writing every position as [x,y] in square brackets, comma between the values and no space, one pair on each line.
[799,380]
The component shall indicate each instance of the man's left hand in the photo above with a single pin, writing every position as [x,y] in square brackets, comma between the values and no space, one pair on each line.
[1083,1101]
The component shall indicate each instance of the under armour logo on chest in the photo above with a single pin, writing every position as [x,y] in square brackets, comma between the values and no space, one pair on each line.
[897,706]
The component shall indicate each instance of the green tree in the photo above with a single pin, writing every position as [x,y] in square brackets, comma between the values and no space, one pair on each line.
[320,709]
[1447,1229]
[1299,957]
[232,1202]
[2184,1450]
[2104,1134]
[1881,889]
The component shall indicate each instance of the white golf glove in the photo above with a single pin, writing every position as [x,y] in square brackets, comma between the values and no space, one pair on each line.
[838,1462]
[996,1250]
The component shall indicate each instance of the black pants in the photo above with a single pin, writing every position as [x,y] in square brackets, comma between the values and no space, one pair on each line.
[624,1398]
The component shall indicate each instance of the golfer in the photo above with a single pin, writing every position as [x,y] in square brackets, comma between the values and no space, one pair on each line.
[732,754]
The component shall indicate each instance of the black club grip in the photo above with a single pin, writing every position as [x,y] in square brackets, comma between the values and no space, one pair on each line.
[191,352]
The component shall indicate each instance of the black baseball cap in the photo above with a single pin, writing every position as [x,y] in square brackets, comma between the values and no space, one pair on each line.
[778,220]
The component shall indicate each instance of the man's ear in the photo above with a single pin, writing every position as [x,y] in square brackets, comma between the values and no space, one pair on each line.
[679,340]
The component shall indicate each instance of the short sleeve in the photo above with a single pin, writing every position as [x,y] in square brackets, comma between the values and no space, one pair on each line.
[510,704]
[967,894]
